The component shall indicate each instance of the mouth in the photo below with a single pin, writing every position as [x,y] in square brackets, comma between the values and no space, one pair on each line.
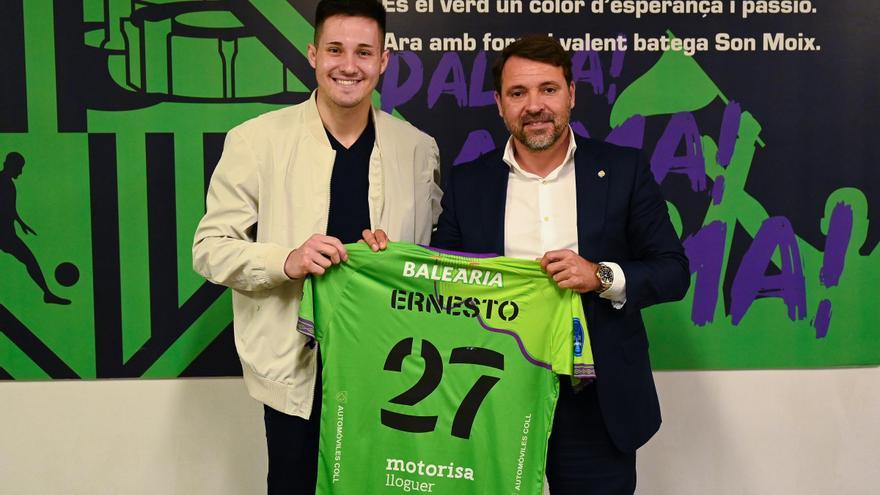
[538,120]
[537,124]
[346,82]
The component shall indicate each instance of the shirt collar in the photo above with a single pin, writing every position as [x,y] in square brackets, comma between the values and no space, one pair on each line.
[511,162]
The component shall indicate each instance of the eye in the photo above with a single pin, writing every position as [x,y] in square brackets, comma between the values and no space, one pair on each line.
[333,49]
[516,93]
[365,53]
[551,90]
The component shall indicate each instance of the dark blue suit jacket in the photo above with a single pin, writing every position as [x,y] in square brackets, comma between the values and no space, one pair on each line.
[622,217]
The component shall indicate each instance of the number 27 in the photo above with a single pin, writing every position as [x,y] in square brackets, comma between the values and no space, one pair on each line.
[431,376]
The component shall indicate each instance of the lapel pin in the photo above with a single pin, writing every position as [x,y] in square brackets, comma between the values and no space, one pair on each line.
[601,174]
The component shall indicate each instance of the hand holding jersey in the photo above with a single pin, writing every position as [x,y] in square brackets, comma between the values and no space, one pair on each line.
[314,256]
[571,271]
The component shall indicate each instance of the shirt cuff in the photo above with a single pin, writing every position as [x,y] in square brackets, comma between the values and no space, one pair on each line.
[617,292]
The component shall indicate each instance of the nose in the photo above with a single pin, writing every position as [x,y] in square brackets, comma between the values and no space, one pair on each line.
[533,102]
[348,65]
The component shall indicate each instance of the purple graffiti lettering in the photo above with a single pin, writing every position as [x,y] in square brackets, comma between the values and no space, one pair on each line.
[751,281]
[836,243]
[718,190]
[611,95]
[729,132]
[630,133]
[615,70]
[823,319]
[579,128]
[393,92]
[664,160]
[477,96]
[587,68]
[839,233]
[705,251]
[477,143]
[449,67]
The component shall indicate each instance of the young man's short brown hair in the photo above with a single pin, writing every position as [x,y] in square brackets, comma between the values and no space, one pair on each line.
[370,9]
[534,47]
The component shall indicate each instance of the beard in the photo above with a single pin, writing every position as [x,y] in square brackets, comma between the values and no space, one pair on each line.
[540,140]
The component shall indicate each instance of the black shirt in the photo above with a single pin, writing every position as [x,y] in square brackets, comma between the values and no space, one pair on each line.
[349,186]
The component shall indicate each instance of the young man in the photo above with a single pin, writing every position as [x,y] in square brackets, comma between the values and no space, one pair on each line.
[293,186]
[595,217]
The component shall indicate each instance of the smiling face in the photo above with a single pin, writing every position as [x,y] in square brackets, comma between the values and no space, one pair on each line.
[535,102]
[348,58]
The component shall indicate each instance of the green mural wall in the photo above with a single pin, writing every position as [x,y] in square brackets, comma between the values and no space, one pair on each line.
[114,112]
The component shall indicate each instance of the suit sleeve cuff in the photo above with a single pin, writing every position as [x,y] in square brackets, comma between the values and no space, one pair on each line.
[617,292]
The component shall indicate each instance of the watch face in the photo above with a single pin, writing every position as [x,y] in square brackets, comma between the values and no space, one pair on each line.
[606,275]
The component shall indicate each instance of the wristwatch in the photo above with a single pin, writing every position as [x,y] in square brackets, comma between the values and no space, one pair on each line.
[606,277]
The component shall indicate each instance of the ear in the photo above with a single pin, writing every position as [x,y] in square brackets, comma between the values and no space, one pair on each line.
[498,103]
[312,55]
[384,63]
[571,92]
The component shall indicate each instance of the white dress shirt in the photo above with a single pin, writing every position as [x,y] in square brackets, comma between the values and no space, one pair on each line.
[541,215]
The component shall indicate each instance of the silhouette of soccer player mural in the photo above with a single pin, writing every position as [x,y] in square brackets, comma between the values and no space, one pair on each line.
[13,166]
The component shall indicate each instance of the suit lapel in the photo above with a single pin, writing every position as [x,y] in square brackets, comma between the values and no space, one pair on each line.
[591,178]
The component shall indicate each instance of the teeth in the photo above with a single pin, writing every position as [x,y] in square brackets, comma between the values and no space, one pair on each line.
[346,82]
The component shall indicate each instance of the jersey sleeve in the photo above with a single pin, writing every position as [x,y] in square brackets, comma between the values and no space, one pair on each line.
[572,354]
[583,366]
[305,323]
[320,297]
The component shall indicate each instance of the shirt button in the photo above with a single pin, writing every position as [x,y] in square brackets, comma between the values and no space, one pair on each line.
[546,219]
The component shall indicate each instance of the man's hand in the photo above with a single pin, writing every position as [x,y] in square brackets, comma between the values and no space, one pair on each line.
[377,240]
[315,255]
[570,271]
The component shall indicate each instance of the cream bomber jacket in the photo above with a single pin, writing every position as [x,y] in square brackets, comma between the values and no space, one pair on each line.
[269,193]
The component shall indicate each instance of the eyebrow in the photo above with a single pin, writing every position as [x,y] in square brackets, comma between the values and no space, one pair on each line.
[540,85]
[360,45]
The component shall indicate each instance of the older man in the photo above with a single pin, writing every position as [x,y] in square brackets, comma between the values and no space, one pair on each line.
[595,217]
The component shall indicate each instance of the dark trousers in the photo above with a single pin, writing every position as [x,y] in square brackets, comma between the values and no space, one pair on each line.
[293,448]
[582,459]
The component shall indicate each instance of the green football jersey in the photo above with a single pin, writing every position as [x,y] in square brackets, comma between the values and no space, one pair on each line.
[439,370]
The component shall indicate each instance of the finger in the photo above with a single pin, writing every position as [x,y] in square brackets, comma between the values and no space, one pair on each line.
[557,255]
[382,238]
[340,249]
[318,258]
[315,269]
[556,267]
[568,284]
[544,261]
[368,237]
[333,249]
[561,276]
[325,251]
